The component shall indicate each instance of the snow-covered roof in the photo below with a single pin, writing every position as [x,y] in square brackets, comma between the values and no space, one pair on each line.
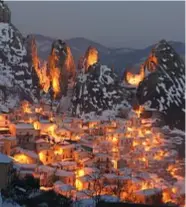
[4,129]
[85,178]
[149,192]
[4,158]
[64,163]
[40,140]
[24,126]
[26,166]
[64,173]
[7,137]
[27,152]
[73,129]
[44,168]
[58,185]
[68,146]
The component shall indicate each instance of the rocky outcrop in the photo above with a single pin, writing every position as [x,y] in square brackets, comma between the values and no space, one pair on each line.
[5,14]
[33,62]
[97,91]
[14,64]
[61,69]
[164,87]
[56,61]
[91,57]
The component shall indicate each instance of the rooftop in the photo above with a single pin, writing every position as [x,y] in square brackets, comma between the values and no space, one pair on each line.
[4,158]
[24,126]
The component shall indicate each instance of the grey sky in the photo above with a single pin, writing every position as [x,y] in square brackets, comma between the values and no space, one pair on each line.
[129,24]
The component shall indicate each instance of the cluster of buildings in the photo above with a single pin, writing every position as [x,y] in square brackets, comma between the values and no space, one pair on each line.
[127,158]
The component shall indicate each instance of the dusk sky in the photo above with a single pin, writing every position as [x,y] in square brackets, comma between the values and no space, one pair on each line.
[125,24]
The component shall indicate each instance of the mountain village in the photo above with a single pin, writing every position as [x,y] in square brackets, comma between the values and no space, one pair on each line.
[127,158]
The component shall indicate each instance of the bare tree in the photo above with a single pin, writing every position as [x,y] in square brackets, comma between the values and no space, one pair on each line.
[96,186]
[118,187]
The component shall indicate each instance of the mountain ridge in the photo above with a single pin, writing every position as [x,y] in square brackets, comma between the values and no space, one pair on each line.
[120,58]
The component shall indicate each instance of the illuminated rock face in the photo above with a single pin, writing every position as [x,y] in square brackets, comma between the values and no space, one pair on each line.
[61,68]
[33,61]
[164,88]
[90,58]
[135,79]
[96,91]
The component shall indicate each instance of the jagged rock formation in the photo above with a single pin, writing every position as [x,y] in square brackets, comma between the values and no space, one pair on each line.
[164,88]
[61,68]
[14,67]
[5,14]
[96,91]
[91,57]
[33,61]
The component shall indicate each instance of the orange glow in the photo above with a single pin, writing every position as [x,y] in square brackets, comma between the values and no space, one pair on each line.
[148,132]
[40,68]
[42,157]
[58,151]
[43,77]
[147,148]
[172,170]
[151,62]
[159,155]
[139,111]
[167,197]
[174,190]
[26,107]
[143,159]
[38,110]
[130,129]
[114,139]
[37,125]
[146,185]
[79,184]
[22,159]
[140,133]
[80,172]
[114,149]
[45,188]
[144,143]
[135,79]
[135,143]
[51,130]
[55,81]
[2,118]
[70,64]
[91,57]
[54,73]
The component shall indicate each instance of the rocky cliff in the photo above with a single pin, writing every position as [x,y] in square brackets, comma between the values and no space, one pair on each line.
[97,91]
[15,71]
[164,88]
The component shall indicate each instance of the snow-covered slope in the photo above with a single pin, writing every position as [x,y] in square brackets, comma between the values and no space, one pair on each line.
[13,55]
[164,89]
[97,91]
[15,72]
